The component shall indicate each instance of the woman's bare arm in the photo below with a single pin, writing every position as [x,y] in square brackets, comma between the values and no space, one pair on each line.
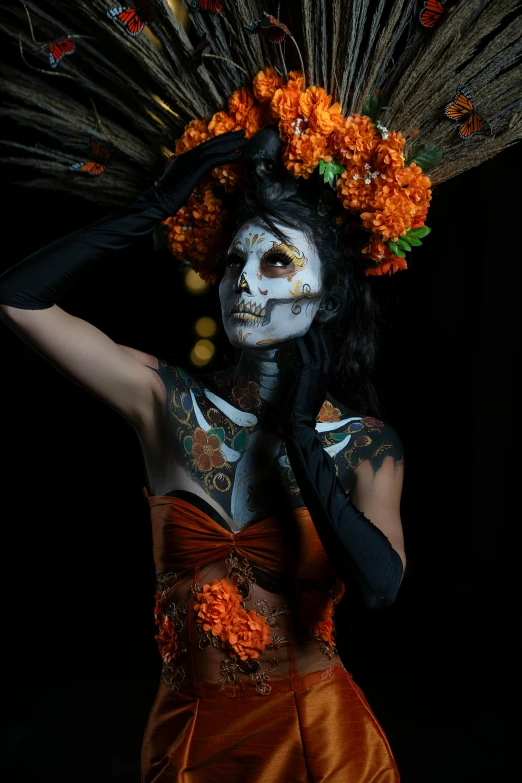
[88,357]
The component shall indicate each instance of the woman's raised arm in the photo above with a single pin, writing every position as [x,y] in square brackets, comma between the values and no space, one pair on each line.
[30,289]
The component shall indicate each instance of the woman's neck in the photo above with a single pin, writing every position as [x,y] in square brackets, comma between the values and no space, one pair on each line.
[269,369]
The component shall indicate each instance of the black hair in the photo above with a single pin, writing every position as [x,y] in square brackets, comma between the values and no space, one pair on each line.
[352,333]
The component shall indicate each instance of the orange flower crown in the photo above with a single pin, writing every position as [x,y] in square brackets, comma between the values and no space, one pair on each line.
[358,157]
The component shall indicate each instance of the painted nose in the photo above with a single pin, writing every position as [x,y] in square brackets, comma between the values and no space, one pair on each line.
[242,285]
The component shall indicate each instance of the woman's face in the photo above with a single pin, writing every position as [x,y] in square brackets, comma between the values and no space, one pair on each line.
[270,291]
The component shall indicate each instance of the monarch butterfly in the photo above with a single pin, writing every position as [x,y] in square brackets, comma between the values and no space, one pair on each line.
[214,6]
[101,157]
[133,19]
[57,49]
[432,12]
[462,110]
[270,27]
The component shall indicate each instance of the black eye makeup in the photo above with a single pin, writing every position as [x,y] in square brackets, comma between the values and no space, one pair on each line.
[277,262]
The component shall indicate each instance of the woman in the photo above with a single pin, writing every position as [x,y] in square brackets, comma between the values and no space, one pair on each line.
[268,497]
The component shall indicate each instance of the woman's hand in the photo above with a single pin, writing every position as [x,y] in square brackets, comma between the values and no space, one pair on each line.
[312,371]
[186,170]
[358,550]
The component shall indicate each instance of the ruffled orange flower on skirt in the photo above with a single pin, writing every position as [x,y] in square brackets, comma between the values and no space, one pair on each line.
[167,636]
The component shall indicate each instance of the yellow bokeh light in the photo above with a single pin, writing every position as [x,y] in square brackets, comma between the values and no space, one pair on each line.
[202,353]
[204,349]
[205,326]
[194,284]
[196,361]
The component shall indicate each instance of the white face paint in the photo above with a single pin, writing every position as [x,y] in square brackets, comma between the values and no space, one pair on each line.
[271,290]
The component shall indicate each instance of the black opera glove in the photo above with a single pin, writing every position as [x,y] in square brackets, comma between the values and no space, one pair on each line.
[40,279]
[360,553]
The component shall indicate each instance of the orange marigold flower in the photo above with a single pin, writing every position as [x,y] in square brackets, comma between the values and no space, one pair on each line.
[265,84]
[285,103]
[248,635]
[314,105]
[391,217]
[167,636]
[355,135]
[239,104]
[220,123]
[328,412]
[207,450]
[394,264]
[257,117]
[217,605]
[195,133]
[229,176]
[303,153]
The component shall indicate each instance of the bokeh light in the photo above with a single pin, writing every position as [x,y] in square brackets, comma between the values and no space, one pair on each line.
[205,326]
[202,352]
[194,284]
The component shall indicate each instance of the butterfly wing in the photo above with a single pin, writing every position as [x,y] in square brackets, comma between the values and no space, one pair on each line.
[276,23]
[100,152]
[145,11]
[269,27]
[90,166]
[213,6]
[431,13]
[57,49]
[460,106]
[129,18]
[473,125]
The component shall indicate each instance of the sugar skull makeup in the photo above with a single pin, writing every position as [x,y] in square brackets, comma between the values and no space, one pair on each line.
[271,290]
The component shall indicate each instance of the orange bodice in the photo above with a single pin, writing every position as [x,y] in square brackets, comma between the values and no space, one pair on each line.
[240,612]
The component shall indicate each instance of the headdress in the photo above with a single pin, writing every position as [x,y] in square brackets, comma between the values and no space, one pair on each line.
[372,103]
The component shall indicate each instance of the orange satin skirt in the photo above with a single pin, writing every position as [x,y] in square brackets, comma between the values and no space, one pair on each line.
[307,729]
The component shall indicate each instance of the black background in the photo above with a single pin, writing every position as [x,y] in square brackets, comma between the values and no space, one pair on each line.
[437,667]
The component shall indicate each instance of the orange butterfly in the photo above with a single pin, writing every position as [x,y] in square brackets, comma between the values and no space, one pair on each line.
[432,13]
[270,28]
[133,19]
[101,157]
[57,49]
[214,6]
[462,110]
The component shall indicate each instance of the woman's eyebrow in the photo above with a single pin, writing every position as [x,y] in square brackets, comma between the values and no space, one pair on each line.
[236,248]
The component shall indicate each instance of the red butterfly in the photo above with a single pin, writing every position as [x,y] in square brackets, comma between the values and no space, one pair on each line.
[432,13]
[57,49]
[214,6]
[462,110]
[101,157]
[270,27]
[133,19]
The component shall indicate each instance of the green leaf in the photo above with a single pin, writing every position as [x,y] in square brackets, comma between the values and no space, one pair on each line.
[401,242]
[159,237]
[418,233]
[219,431]
[413,241]
[426,157]
[240,440]
[187,442]
[396,249]
[330,171]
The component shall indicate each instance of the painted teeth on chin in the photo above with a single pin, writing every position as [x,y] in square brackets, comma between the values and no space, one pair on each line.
[251,308]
